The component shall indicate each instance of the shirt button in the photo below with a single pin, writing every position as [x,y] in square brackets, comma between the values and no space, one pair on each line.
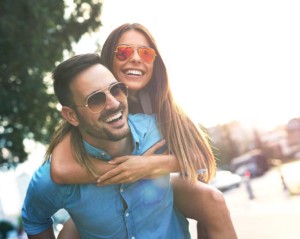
[132,237]
[127,214]
[121,190]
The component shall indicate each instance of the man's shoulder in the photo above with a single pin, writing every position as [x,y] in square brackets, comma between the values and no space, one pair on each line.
[42,188]
[41,178]
[141,118]
[142,123]
[144,130]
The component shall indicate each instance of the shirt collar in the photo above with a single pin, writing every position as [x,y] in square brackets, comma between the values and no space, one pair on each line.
[96,152]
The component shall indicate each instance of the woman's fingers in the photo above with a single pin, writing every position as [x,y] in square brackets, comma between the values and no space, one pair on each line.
[118,160]
[155,147]
[108,175]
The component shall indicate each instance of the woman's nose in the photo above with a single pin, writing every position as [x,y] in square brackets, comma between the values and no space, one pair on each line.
[135,56]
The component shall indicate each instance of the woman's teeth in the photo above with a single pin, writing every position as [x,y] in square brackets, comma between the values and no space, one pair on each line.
[134,72]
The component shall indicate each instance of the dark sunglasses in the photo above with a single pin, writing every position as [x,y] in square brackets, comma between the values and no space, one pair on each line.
[96,101]
[147,54]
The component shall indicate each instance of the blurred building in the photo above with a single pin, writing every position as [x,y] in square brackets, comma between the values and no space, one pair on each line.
[293,135]
[284,141]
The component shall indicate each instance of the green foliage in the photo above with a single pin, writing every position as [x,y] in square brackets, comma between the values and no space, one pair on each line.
[34,35]
[225,147]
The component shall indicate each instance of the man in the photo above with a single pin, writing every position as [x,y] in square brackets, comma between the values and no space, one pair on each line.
[95,105]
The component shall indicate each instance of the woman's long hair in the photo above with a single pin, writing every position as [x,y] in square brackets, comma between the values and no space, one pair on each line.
[185,140]
[78,150]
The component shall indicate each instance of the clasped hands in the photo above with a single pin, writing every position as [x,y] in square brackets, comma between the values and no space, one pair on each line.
[131,168]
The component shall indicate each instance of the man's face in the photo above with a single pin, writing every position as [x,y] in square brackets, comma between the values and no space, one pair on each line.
[111,124]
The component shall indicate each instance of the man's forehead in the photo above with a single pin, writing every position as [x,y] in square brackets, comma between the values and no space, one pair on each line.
[94,78]
[96,71]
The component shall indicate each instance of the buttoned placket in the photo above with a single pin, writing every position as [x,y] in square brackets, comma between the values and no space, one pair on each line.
[127,215]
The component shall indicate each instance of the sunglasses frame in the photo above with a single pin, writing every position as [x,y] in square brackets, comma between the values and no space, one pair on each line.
[105,91]
[137,49]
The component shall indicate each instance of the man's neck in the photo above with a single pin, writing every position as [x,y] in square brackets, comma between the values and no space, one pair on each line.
[119,148]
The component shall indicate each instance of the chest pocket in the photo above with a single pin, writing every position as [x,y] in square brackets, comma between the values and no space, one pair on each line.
[154,191]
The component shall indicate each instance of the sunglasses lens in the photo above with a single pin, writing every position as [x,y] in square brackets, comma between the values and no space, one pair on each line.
[124,52]
[96,102]
[119,91]
[147,54]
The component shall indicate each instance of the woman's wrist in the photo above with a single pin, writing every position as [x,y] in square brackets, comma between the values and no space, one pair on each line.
[164,164]
[173,164]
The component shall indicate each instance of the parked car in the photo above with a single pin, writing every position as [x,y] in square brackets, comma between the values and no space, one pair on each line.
[254,162]
[226,180]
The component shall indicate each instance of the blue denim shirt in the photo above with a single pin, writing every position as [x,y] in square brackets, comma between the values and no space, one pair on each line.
[143,209]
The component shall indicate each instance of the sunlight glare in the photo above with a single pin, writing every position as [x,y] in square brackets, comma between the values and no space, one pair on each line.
[227,60]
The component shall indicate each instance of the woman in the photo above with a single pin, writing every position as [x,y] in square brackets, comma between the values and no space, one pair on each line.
[130,52]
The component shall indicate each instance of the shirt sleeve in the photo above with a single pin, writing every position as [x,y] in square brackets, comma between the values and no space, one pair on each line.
[43,199]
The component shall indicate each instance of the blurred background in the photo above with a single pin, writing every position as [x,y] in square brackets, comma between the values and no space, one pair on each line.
[233,66]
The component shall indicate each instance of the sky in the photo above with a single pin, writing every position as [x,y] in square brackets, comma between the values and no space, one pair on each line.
[226,59]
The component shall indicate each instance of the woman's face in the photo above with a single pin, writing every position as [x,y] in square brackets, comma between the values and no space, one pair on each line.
[134,72]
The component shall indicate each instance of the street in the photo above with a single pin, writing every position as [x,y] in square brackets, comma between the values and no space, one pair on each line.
[273,213]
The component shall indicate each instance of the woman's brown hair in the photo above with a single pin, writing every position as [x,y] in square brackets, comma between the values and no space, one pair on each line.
[185,140]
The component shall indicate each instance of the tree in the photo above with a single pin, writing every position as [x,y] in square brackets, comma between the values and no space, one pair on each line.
[34,36]
[225,147]
[5,227]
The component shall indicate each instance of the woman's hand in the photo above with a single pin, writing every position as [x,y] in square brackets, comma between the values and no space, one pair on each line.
[155,148]
[134,167]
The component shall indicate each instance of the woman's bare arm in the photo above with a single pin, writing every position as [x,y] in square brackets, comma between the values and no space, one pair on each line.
[47,234]
[69,231]
[124,169]
[132,168]
[64,166]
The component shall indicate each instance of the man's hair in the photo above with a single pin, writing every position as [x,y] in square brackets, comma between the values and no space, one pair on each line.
[65,73]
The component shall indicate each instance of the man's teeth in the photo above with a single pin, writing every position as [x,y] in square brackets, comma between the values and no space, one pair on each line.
[113,117]
[134,72]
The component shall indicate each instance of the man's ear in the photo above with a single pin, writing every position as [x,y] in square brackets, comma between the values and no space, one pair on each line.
[69,115]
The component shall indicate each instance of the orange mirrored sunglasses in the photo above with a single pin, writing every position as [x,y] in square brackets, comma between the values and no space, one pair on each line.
[124,52]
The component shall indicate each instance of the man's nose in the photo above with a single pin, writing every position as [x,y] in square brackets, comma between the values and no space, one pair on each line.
[111,102]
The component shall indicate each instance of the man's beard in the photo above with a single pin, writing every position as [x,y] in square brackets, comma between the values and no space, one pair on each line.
[103,133]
